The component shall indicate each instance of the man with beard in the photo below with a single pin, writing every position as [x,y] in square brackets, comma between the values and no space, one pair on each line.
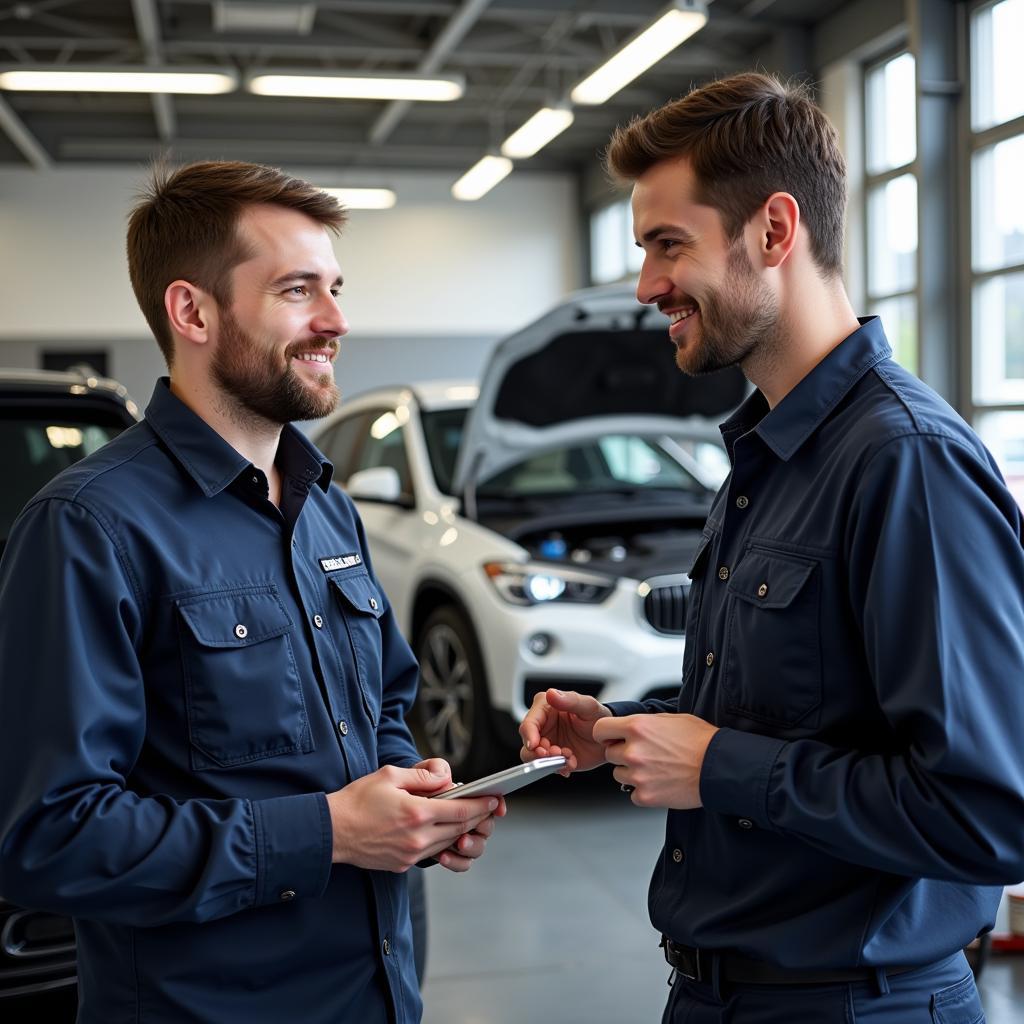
[843,766]
[204,687]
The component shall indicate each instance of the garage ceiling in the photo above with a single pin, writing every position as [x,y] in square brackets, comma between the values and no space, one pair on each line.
[516,55]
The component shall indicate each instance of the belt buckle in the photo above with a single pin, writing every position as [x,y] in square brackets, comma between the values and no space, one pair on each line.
[686,962]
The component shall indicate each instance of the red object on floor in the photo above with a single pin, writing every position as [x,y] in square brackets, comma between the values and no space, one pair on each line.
[1007,943]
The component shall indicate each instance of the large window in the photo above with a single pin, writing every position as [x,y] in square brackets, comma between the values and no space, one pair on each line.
[613,252]
[997,233]
[891,189]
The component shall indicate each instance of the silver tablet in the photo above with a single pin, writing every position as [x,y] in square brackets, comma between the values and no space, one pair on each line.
[505,781]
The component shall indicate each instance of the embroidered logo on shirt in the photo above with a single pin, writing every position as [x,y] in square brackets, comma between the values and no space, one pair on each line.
[340,562]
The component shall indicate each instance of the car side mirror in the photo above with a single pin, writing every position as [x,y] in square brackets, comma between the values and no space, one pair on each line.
[378,484]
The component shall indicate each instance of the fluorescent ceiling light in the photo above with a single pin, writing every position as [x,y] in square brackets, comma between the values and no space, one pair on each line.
[356,85]
[676,25]
[481,177]
[537,132]
[93,78]
[363,198]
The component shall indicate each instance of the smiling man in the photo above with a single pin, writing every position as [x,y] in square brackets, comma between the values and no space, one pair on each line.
[843,766]
[204,687]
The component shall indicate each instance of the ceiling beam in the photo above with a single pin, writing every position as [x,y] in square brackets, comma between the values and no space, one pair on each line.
[148,27]
[26,142]
[445,43]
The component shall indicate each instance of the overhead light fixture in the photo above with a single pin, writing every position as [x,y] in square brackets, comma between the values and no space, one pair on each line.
[363,198]
[481,177]
[356,85]
[100,78]
[677,24]
[537,132]
[276,18]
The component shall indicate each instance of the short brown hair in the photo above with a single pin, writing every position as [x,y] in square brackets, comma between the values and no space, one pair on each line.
[746,137]
[185,226]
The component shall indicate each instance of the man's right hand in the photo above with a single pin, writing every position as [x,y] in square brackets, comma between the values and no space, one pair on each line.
[386,821]
[563,723]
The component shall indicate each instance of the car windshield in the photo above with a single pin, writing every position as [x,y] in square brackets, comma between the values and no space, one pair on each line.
[34,447]
[614,464]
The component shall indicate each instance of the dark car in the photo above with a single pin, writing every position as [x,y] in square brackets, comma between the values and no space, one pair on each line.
[48,421]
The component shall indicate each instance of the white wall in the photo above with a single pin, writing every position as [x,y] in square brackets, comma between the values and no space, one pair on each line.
[449,278]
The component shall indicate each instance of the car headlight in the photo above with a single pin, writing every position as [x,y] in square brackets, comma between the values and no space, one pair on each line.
[530,583]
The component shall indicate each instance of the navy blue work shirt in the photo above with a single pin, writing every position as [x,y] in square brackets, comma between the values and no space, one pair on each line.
[187,671]
[856,630]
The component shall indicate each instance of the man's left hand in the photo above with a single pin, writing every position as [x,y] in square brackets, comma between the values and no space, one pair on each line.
[660,756]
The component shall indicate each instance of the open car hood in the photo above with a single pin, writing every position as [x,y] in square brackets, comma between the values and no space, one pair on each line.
[598,363]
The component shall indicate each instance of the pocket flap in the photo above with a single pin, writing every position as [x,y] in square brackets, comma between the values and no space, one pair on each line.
[235,618]
[769,580]
[360,594]
[699,558]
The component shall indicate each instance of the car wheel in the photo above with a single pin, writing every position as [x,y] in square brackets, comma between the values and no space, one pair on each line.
[453,709]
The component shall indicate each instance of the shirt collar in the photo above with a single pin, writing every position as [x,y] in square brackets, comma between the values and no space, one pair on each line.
[786,427]
[210,460]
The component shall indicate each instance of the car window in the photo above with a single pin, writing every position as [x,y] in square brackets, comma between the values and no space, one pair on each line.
[383,444]
[711,457]
[442,431]
[35,449]
[342,443]
[610,463]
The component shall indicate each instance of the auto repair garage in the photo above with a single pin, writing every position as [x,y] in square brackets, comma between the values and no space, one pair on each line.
[780,661]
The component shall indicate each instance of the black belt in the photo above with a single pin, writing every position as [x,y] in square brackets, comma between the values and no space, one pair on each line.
[696,965]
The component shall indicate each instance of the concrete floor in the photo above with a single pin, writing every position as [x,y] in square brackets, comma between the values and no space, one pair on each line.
[552,923]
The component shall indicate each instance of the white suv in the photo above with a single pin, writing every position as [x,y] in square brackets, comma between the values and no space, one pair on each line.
[535,532]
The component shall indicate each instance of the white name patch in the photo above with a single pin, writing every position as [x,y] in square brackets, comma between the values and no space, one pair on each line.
[340,562]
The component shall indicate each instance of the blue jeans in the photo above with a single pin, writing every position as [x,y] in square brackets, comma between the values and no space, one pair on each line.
[940,993]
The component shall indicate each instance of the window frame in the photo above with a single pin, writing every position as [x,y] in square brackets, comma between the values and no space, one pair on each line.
[874,181]
[977,140]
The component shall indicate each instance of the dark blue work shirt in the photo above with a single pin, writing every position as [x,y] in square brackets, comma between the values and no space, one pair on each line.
[856,629]
[187,671]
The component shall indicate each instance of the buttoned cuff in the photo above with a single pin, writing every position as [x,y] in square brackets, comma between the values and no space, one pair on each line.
[294,843]
[735,773]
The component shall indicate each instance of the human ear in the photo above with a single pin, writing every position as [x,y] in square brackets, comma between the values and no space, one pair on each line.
[779,219]
[188,310]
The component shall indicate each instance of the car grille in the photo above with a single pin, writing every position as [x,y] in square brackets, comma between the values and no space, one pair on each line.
[664,603]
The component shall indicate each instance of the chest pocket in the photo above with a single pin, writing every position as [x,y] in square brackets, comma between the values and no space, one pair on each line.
[773,661]
[362,604]
[242,687]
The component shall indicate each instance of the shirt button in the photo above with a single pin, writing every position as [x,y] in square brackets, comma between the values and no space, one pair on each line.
[762,590]
[288,894]
[318,621]
[241,631]
[723,572]
[677,856]
[386,946]
[742,501]
[343,728]
[745,823]
[710,659]
[373,603]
